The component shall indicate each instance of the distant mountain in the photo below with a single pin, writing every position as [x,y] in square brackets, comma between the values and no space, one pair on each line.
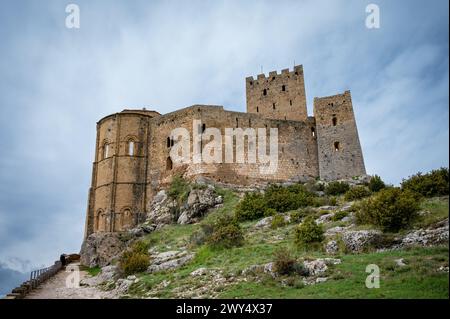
[10,279]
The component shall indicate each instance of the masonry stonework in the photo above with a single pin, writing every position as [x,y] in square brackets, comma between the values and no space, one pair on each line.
[132,158]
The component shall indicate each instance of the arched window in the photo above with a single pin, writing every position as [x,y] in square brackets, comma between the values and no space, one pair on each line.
[127,219]
[105,150]
[334,120]
[131,148]
[336,146]
[100,221]
[169,164]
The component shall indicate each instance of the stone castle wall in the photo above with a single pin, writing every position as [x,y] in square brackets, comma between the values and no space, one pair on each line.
[132,158]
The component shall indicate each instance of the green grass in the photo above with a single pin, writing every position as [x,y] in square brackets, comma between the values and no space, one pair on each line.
[438,208]
[419,279]
[93,271]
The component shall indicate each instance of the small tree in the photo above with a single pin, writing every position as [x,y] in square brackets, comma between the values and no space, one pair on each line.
[376,184]
[308,232]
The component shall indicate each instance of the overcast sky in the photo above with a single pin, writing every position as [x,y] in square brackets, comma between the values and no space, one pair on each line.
[55,83]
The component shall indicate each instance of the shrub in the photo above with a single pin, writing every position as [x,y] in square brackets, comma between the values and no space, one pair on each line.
[226,233]
[269,212]
[434,183]
[178,189]
[376,184]
[277,221]
[283,262]
[357,192]
[134,260]
[275,199]
[284,199]
[298,215]
[333,201]
[336,188]
[339,215]
[391,209]
[201,235]
[252,206]
[308,232]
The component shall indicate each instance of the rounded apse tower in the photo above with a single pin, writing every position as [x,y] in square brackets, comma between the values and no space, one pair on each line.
[118,190]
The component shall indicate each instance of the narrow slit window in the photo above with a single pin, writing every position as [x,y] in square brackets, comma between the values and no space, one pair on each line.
[313,132]
[290,102]
[265,92]
[168,141]
[273,106]
[257,109]
[131,148]
[203,127]
[105,150]
[283,88]
[334,120]
[336,146]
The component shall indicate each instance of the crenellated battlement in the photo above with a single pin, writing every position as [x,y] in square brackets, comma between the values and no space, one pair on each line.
[274,75]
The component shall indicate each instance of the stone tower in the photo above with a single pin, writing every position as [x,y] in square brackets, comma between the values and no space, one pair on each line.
[119,175]
[339,150]
[279,96]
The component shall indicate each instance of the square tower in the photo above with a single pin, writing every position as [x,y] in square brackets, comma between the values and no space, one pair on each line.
[339,150]
[278,96]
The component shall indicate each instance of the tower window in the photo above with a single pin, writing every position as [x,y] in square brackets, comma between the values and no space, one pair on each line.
[334,120]
[336,146]
[172,141]
[251,83]
[273,78]
[313,132]
[290,102]
[168,141]
[257,109]
[237,122]
[203,127]
[131,148]
[105,151]
[265,92]
[273,106]
[283,88]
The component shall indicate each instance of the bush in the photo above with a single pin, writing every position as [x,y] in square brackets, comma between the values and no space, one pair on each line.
[275,199]
[376,184]
[226,233]
[391,209]
[336,188]
[283,262]
[252,206]
[284,199]
[178,189]
[277,221]
[298,215]
[339,215]
[357,192]
[434,183]
[134,260]
[308,232]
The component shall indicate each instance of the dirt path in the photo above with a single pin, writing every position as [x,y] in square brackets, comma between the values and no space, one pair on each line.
[56,288]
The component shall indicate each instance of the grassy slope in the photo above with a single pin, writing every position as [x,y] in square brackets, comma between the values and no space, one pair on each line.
[419,279]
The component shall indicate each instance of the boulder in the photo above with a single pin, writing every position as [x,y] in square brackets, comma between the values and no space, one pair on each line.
[358,240]
[100,249]
[169,260]
[436,235]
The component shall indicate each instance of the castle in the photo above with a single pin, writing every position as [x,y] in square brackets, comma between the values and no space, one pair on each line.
[132,153]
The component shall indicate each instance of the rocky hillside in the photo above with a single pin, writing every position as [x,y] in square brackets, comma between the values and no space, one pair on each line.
[290,241]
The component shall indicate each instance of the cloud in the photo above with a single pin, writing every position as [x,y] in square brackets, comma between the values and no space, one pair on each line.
[56,83]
